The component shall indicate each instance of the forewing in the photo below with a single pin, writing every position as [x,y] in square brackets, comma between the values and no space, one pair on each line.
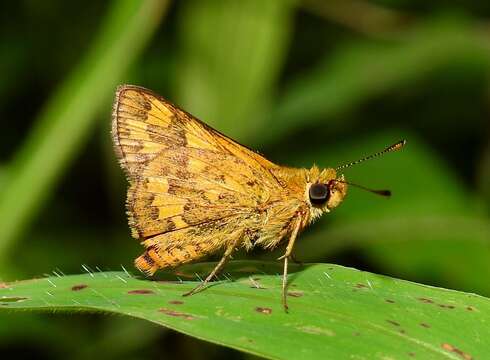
[182,172]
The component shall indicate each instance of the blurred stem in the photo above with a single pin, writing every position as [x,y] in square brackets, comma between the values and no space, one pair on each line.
[61,129]
[362,16]
[231,59]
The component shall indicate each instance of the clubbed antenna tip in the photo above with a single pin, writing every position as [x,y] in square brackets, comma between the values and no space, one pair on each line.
[395,147]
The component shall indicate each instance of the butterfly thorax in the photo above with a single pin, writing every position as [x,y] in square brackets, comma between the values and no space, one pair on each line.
[292,203]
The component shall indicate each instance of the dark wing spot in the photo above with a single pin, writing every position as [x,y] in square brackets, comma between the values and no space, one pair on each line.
[154,132]
[142,101]
[148,258]
[154,213]
[170,225]
[183,174]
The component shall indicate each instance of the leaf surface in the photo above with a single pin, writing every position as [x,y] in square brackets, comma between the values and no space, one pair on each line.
[335,312]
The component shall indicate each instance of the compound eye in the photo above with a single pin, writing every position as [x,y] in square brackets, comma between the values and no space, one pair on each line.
[319,194]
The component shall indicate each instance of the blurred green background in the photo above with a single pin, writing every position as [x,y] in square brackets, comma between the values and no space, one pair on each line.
[303,82]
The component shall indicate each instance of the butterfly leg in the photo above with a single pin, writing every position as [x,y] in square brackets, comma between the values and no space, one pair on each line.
[286,256]
[221,264]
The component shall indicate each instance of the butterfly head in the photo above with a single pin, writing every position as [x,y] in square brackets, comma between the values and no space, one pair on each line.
[325,191]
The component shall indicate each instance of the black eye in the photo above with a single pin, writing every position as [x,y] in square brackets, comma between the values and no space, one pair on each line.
[319,193]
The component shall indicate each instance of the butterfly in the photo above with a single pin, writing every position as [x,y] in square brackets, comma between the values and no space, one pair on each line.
[195,192]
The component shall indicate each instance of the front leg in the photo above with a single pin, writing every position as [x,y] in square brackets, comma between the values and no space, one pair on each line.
[287,254]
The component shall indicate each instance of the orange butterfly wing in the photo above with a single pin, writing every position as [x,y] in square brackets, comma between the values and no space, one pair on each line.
[192,188]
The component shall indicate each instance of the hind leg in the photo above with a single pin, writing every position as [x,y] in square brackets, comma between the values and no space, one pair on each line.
[221,264]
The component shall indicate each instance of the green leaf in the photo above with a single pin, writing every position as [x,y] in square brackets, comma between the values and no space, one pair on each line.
[335,312]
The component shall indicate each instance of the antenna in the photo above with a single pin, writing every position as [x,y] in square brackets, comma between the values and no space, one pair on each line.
[386,193]
[394,147]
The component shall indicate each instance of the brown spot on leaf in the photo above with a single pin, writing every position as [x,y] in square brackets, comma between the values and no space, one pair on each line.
[176,302]
[470,308]
[295,293]
[174,313]
[457,351]
[361,286]
[390,301]
[79,287]
[393,322]
[425,325]
[11,299]
[411,354]
[141,292]
[425,300]
[444,306]
[3,285]
[264,310]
